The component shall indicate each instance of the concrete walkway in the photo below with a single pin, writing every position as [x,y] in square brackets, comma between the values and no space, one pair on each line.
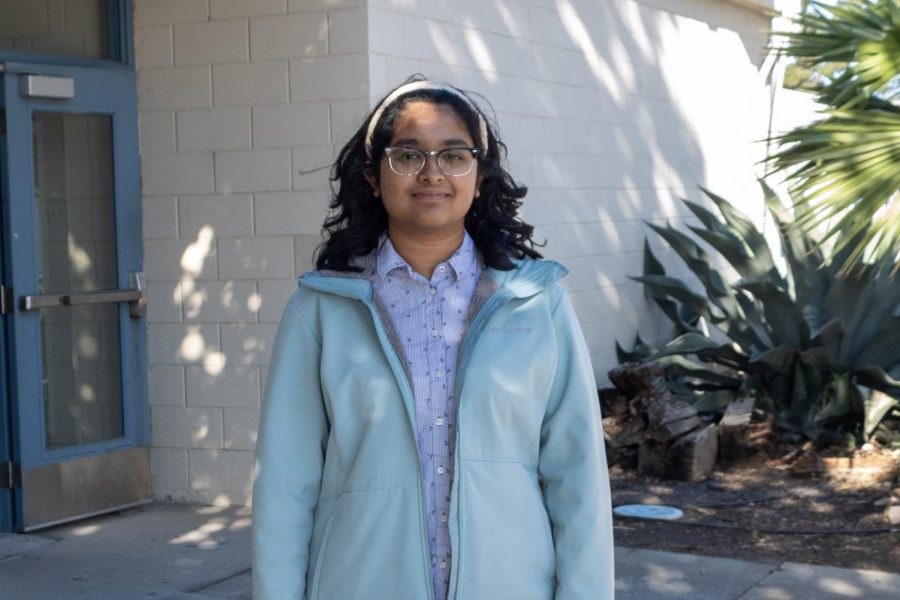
[188,552]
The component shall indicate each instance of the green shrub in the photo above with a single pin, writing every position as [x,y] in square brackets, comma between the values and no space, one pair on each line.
[810,345]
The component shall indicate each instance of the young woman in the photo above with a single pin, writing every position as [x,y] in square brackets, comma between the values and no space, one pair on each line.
[430,427]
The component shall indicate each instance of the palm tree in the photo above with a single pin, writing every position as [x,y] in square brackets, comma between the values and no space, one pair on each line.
[844,169]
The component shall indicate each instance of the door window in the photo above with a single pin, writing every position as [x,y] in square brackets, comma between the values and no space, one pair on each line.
[74,28]
[76,252]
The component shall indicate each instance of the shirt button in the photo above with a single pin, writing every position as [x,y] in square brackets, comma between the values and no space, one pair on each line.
[435,332]
[439,421]
[432,291]
[443,564]
[443,518]
[442,268]
[441,470]
[438,373]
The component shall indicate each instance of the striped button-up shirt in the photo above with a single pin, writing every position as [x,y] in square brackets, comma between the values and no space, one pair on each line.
[429,317]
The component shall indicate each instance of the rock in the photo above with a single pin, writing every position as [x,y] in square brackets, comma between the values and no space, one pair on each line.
[693,457]
[653,459]
[641,403]
[613,402]
[761,435]
[633,378]
[892,514]
[669,417]
[670,430]
[808,464]
[739,412]
[668,409]
[625,458]
[734,430]
[623,430]
[672,440]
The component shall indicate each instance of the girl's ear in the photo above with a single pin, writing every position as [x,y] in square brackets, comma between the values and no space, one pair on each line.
[478,185]
[370,177]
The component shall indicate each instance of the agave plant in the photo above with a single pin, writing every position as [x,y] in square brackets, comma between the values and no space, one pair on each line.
[810,345]
[844,169]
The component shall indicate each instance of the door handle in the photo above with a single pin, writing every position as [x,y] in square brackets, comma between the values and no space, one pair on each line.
[134,296]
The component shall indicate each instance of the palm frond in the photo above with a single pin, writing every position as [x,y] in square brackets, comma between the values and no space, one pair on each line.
[844,169]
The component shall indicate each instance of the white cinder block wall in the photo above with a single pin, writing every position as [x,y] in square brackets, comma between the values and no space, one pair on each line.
[611,110]
[237,99]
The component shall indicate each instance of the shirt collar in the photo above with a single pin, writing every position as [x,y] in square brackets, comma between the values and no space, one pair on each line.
[463,261]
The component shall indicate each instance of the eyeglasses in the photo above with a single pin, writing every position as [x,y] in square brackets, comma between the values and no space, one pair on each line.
[453,162]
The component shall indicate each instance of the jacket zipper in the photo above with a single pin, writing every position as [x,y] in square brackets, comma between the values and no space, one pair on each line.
[472,335]
[405,387]
[320,559]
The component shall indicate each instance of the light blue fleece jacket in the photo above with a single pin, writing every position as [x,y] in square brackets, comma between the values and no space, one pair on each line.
[338,499]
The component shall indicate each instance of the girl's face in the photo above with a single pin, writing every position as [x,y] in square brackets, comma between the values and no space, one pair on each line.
[429,204]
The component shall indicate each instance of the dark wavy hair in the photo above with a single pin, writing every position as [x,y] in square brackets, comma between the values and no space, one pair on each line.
[357,217]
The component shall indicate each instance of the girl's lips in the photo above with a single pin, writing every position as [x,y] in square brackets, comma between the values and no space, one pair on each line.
[430,195]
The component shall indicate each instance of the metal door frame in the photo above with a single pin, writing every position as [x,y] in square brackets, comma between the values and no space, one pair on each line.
[119,39]
[8,437]
[106,87]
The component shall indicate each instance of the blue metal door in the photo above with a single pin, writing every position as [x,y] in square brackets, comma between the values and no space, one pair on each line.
[76,411]
[8,472]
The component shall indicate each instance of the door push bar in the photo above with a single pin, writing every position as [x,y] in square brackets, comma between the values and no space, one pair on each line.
[135,297]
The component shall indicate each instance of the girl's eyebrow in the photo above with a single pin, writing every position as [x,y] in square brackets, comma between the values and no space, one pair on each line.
[416,142]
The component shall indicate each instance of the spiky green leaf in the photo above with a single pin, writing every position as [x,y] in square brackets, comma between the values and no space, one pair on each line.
[665,286]
[739,222]
[784,318]
[682,318]
[878,405]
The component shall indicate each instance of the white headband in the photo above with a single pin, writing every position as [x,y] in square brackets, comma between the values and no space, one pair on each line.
[424,85]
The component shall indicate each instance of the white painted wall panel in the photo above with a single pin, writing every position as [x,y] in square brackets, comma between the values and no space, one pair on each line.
[225,9]
[289,36]
[211,43]
[153,47]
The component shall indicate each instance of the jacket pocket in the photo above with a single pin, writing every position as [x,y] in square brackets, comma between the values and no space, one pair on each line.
[506,545]
[320,559]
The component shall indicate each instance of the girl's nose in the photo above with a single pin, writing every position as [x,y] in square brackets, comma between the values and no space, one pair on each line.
[431,171]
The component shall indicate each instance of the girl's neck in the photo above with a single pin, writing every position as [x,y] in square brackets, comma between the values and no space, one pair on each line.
[425,252]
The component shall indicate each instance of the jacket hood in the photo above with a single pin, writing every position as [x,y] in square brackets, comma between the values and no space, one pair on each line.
[527,278]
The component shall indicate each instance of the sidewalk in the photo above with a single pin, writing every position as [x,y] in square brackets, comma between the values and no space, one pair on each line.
[188,552]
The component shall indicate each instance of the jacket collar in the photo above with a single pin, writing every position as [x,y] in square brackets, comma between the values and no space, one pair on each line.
[527,278]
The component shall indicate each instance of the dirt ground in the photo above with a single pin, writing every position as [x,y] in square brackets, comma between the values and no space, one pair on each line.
[761,511]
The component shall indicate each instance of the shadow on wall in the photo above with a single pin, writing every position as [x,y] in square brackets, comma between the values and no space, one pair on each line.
[612,111]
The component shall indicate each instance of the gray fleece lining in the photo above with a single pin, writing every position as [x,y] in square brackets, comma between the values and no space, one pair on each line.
[484,289]
[393,336]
